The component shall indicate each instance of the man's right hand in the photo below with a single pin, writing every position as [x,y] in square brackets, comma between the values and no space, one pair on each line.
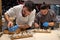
[51,24]
[10,24]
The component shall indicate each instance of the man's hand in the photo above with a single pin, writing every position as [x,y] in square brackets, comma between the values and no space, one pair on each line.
[51,24]
[10,24]
[7,17]
[36,25]
[46,24]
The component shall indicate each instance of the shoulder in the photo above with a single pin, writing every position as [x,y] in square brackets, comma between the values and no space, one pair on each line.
[38,14]
[18,6]
[51,12]
[33,12]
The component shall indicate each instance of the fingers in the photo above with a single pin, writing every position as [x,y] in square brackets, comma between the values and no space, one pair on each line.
[10,24]
[36,25]
[51,24]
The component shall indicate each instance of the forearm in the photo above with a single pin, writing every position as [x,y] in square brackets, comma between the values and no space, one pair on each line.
[36,25]
[24,26]
[7,17]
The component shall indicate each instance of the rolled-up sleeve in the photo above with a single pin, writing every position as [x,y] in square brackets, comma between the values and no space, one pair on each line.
[11,12]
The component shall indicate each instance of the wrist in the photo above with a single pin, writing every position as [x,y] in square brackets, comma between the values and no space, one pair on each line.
[9,21]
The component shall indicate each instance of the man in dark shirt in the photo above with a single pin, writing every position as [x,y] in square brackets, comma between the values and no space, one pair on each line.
[45,17]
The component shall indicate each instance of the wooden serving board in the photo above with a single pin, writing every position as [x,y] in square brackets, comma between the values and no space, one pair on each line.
[22,35]
[41,31]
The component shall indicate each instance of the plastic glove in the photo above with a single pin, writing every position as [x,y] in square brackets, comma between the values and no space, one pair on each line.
[45,24]
[14,28]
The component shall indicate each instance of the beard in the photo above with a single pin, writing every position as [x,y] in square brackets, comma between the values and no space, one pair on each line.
[23,15]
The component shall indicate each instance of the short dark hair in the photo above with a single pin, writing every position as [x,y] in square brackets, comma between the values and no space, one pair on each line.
[43,7]
[30,5]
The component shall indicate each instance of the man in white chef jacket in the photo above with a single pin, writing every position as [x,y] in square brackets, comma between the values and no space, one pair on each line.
[24,14]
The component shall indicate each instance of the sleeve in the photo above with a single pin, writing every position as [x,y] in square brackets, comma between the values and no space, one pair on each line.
[31,18]
[54,19]
[11,12]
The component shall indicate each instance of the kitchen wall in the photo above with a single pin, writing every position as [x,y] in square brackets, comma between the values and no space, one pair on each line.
[47,1]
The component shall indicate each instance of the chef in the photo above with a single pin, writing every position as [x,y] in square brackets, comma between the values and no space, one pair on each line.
[24,14]
[46,18]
